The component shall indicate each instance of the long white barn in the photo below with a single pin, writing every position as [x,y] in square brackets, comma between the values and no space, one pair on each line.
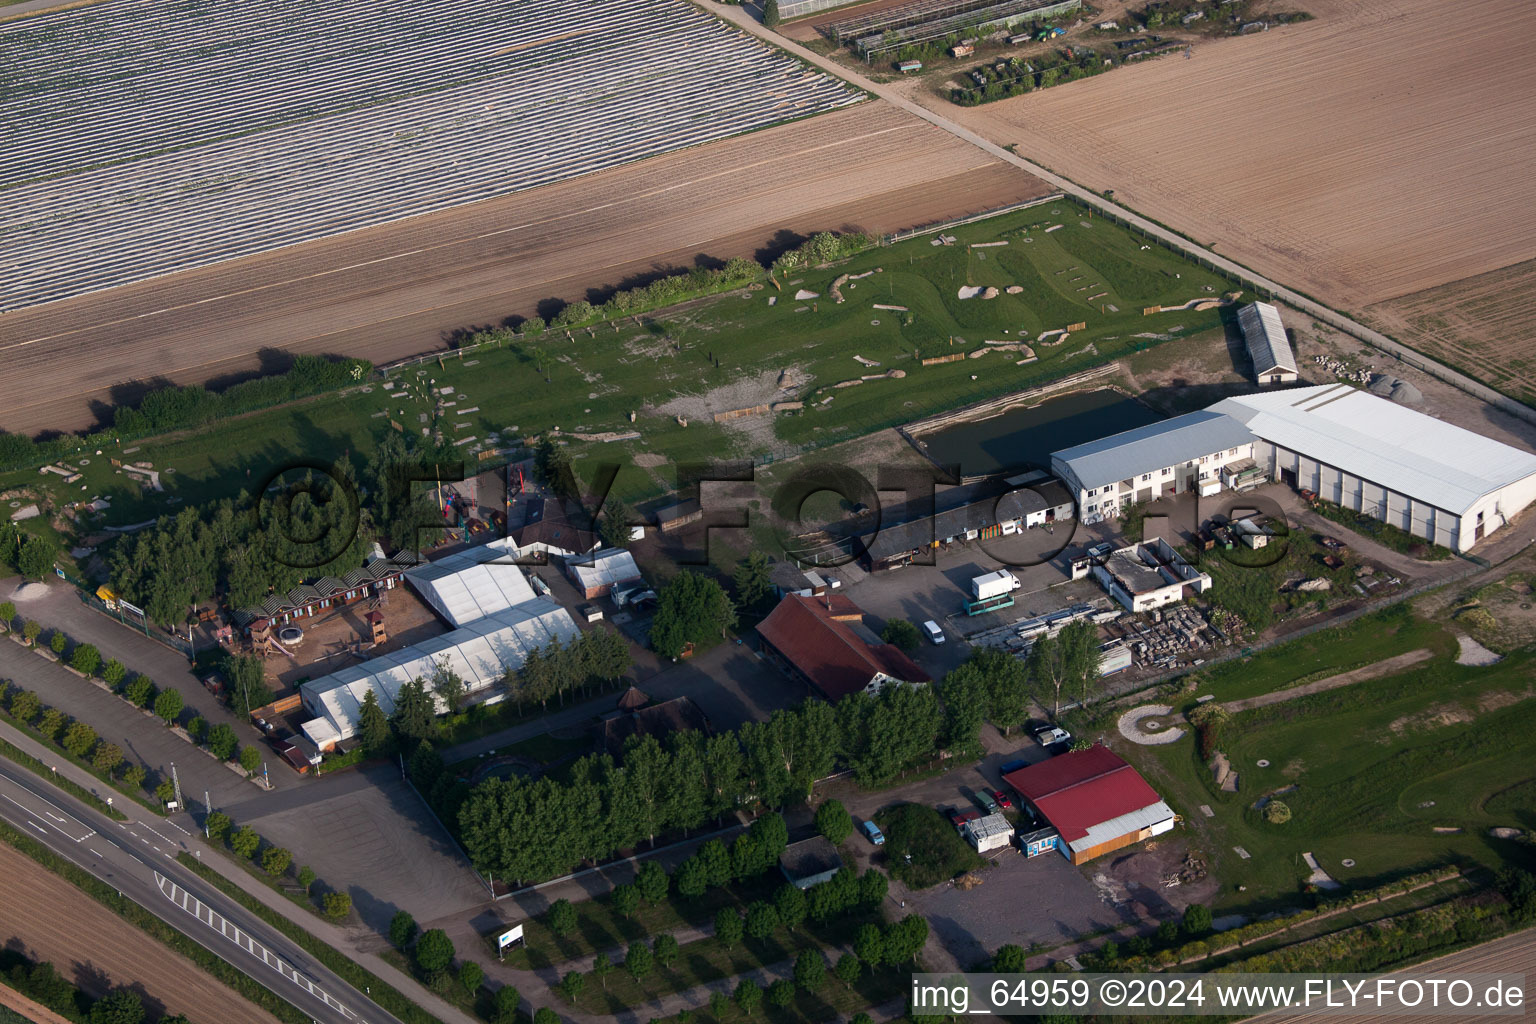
[1432,478]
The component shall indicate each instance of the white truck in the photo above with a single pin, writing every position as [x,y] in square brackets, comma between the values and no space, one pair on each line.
[993,584]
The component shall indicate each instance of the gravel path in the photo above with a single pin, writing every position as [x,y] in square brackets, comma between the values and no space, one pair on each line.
[1385,667]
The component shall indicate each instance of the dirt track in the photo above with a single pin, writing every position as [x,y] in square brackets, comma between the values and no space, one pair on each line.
[98,951]
[392,292]
[1375,670]
[1382,149]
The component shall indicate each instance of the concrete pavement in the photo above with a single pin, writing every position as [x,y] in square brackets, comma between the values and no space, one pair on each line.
[58,605]
[144,738]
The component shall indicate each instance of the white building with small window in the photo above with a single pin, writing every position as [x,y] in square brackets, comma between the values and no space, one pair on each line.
[1182,454]
[1268,347]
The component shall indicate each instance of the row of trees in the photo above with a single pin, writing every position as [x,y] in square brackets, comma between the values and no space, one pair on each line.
[275,861]
[175,408]
[604,805]
[29,554]
[41,982]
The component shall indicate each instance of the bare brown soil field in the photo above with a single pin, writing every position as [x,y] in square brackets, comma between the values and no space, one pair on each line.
[399,290]
[1379,150]
[1485,326]
[97,951]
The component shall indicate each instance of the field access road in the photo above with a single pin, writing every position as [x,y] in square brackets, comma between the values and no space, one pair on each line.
[740,17]
[147,873]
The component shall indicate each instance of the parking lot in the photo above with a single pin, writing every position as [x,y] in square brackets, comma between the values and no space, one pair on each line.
[1043,899]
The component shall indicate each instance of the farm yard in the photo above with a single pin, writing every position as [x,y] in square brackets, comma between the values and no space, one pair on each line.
[216,132]
[737,351]
[405,288]
[1320,155]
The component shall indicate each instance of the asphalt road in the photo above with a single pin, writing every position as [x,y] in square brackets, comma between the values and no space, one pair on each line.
[139,861]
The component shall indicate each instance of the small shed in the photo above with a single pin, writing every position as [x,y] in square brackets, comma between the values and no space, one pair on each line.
[675,517]
[1041,840]
[810,862]
[989,833]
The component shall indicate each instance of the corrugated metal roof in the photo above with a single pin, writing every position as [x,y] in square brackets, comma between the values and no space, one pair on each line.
[1268,346]
[990,825]
[1174,441]
[1084,790]
[1379,440]
[1125,824]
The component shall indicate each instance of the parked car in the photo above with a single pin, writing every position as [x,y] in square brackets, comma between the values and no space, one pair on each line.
[1013,766]
[873,832]
[933,632]
[1003,799]
[958,817]
[1052,735]
[986,801]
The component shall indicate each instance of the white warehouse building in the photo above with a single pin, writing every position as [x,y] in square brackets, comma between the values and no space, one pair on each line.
[1434,479]
[1178,455]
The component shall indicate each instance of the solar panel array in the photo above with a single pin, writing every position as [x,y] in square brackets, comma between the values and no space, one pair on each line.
[142,137]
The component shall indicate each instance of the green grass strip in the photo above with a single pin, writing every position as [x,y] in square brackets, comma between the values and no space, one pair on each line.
[382,993]
[252,990]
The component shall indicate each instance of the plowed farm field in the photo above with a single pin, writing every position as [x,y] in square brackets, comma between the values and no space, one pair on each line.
[94,949]
[394,291]
[1379,150]
[1484,326]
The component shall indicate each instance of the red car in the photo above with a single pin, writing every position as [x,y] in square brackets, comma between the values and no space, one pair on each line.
[1003,800]
[958,817]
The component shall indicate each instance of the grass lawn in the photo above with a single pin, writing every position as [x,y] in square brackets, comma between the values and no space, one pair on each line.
[592,381]
[1371,638]
[1378,767]
[1247,583]
[937,851]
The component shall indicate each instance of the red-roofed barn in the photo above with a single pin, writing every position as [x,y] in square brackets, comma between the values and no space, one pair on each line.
[1094,800]
[822,640]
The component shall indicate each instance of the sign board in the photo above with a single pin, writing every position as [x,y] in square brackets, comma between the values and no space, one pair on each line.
[59,573]
[130,608]
[506,939]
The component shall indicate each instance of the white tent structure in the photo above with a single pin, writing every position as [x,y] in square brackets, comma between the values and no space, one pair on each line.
[479,653]
[469,585]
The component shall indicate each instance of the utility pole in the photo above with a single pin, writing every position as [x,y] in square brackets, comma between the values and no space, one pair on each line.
[176,785]
[207,813]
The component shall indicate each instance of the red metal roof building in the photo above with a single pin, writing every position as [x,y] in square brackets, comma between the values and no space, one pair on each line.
[1094,800]
[822,640]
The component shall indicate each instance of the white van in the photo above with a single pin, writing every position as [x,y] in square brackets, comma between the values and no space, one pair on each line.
[935,634]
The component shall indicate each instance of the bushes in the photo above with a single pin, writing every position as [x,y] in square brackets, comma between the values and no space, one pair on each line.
[139,690]
[275,860]
[434,951]
[168,706]
[337,905]
[85,659]
[250,759]
[245,842]
[222,741]
[834,822]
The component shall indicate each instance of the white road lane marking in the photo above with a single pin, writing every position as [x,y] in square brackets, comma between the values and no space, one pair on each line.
[182,898]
